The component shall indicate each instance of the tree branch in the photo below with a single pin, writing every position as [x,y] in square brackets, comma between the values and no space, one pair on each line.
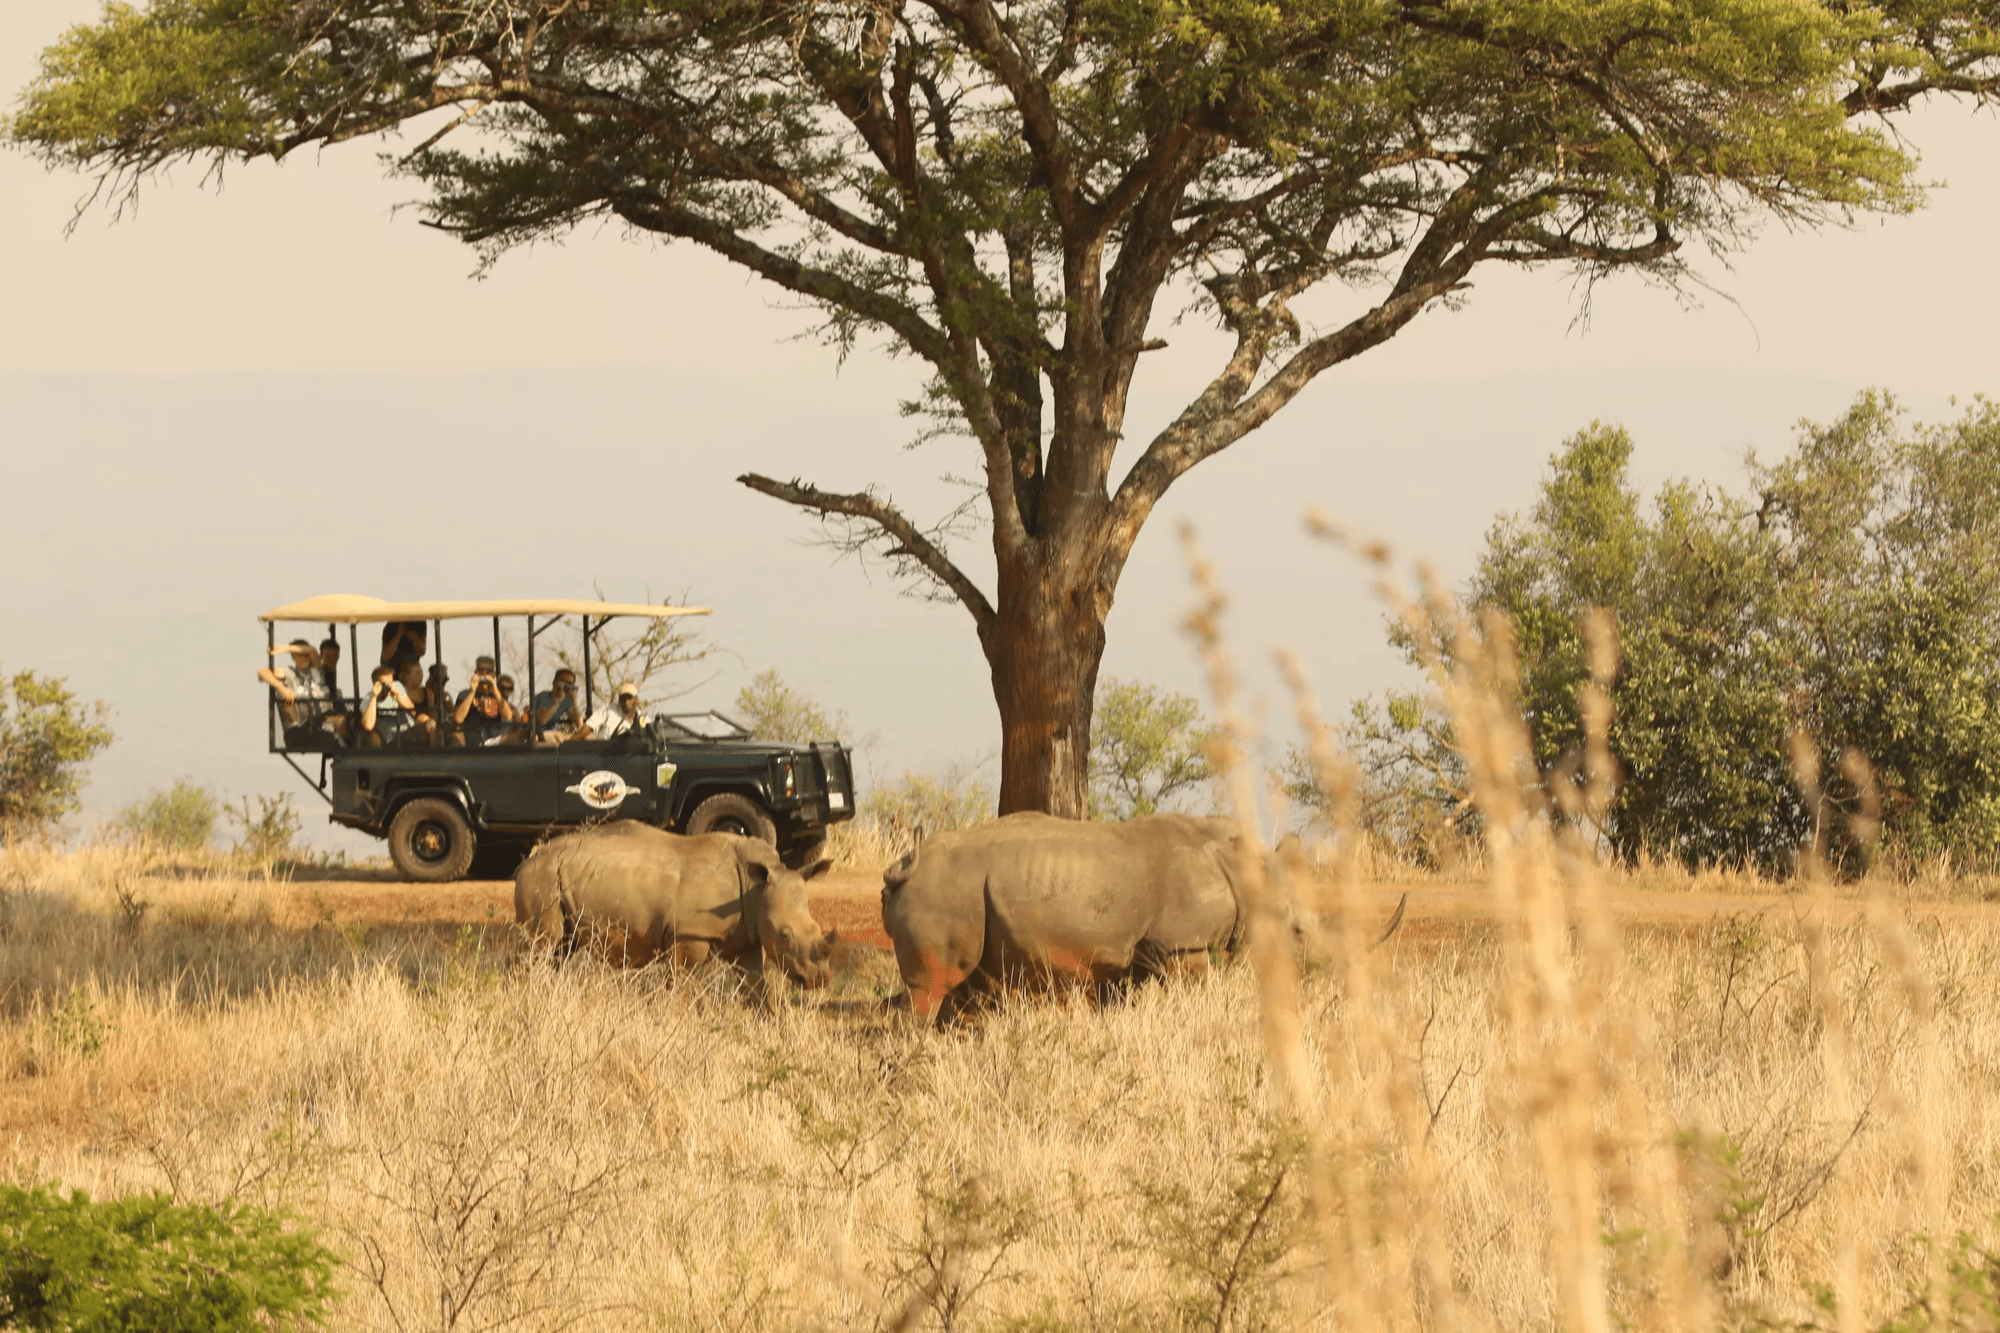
[911,544]
[652,213]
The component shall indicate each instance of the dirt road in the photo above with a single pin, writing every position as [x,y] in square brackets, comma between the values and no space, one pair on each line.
[851,902]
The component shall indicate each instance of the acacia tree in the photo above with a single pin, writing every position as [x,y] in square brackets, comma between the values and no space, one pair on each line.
[1019,193]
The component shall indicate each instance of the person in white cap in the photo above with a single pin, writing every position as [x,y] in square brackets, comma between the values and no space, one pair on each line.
[621,717]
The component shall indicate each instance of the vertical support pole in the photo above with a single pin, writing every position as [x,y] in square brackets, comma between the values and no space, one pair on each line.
[534,722]
[271,695]
[589,704]
[354,673]
[497,665]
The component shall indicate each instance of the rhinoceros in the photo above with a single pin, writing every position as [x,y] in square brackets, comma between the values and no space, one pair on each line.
[1031,900]
[632,894]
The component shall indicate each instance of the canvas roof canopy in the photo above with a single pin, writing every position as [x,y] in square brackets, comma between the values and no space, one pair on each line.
[352,609]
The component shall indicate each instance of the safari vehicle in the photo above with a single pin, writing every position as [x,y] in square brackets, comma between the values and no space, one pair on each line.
[445,808]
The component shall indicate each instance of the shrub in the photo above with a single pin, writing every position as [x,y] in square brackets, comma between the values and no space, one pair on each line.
[47,736]
[777,712]
[1147,747]
[268,834]
[145,1262]
[181,818]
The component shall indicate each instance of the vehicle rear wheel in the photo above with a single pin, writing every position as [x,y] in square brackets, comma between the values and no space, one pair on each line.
[729,813]
[430,842]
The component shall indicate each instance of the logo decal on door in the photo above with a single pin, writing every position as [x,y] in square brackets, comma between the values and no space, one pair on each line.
[603,790]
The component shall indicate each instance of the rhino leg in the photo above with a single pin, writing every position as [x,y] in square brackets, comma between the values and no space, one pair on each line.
[749,967]
[1154,961]
[935,958]
[538,908]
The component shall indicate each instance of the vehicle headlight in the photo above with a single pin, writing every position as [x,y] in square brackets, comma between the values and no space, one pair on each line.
[786,782]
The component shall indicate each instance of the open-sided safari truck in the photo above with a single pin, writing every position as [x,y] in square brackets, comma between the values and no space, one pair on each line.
[439,801]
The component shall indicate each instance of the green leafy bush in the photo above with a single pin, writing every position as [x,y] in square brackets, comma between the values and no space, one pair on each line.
[1852,599]
[47,736]
[918,805]
[1147,749]
[145,1262]
[778,712]
[181,818]
[269,832]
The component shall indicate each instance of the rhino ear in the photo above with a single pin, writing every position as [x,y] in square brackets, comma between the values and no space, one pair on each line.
[816,869]
[756,873]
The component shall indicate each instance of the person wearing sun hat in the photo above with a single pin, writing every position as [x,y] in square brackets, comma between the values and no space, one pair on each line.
[620,717]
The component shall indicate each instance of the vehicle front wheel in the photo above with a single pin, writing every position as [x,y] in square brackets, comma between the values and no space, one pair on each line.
[730,813]
[430,841]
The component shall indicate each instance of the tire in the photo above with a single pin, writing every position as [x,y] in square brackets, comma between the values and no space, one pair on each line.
[430,842]
[727,812]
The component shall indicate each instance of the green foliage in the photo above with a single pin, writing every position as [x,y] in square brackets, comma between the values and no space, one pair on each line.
[74,1027]
[1232,1244]
[918,805]
[1147,747]
[270,831]
[181,818]
[1855,602]
[144,1262]
[777,712]
[1414,797]
[47,736]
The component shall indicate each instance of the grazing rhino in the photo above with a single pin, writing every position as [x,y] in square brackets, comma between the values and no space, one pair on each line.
[1032,900]
[632,894]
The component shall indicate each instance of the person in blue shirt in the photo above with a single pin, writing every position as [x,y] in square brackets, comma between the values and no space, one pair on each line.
[556,710]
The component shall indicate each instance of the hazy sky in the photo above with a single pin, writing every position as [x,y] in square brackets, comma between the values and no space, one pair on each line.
[239,396]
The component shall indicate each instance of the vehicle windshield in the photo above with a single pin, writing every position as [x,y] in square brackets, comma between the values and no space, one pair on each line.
[709,726]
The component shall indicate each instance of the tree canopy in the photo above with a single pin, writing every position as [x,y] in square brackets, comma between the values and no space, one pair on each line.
[47,739]
[1021,194]
[1851,598]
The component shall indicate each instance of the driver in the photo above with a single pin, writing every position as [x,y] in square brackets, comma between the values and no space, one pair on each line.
[617,719]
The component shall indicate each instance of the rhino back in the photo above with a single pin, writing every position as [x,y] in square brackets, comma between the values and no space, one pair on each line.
[1073,894]
[645,880]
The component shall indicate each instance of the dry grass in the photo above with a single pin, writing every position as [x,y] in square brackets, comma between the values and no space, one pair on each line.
[498,1145]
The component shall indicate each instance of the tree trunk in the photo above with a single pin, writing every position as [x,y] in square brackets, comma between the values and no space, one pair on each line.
[1047,641]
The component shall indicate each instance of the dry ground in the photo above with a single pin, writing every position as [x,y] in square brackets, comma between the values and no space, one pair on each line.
[1694,1108]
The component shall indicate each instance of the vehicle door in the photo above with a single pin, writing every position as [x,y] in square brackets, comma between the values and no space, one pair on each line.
[598,780]
[515,784]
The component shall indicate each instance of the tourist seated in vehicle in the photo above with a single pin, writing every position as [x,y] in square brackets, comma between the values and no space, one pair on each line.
[391,715]
[301,691]
[621,717]
[437,697]
[556,710]
[484,714]
[329,675]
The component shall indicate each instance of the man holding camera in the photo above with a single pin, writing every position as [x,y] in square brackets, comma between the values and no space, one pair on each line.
[484,713]
[556,710]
